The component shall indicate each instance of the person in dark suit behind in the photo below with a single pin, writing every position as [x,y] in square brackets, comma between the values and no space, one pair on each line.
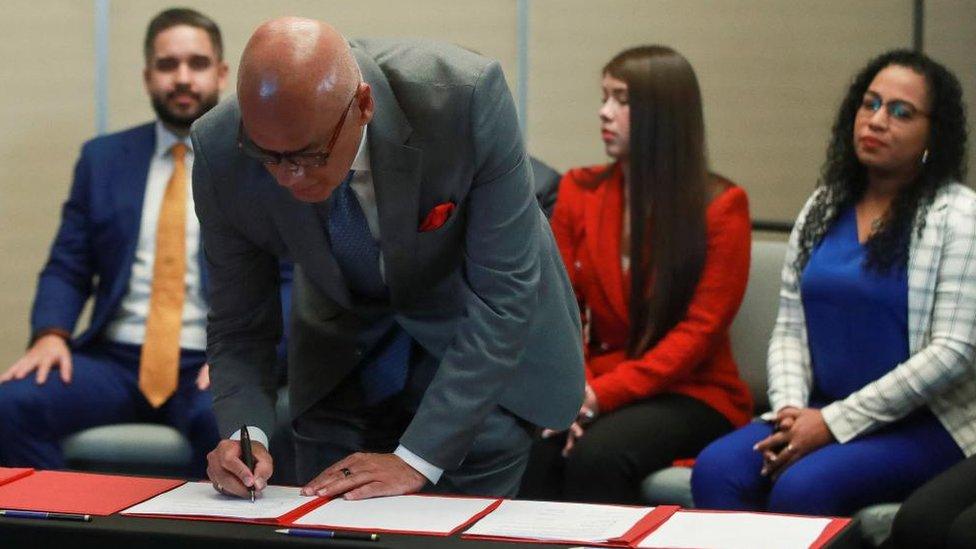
[128,223]
[433,324]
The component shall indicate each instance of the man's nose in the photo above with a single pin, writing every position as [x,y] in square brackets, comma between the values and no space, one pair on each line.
[286,174]
[183,73]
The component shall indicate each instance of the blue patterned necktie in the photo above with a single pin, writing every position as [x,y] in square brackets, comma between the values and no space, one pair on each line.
[384,372]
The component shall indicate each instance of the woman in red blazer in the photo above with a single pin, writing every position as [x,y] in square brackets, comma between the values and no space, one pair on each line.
[657,250]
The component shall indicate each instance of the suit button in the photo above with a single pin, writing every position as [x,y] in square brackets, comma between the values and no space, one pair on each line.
[604,347]
[358,353]
[578,264]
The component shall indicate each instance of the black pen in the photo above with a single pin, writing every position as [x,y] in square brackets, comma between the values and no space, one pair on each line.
[12,513]
[248,457]
[329,534]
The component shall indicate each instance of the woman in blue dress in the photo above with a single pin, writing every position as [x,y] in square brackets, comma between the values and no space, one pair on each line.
[871,379]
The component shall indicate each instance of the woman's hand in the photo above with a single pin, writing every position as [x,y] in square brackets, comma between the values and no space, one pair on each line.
[588,412]
[799,432]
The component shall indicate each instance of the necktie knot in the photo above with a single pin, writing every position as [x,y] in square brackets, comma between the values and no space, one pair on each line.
[179,152]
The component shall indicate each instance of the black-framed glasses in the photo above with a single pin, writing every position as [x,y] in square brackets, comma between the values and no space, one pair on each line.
[298,159]
[897,109]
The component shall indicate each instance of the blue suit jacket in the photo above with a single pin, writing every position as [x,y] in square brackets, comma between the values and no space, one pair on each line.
[96,242]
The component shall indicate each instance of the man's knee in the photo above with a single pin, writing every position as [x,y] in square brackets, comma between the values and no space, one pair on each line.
[20,400]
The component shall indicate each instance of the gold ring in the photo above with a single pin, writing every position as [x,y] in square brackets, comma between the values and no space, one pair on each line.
[345,472]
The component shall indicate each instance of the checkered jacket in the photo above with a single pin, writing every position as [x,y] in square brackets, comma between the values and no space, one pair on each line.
[940,373]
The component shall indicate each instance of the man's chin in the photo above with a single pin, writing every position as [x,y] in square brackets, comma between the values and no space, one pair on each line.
[310,194]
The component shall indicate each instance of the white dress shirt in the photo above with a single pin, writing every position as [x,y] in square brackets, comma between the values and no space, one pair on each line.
[129,323]
[362,185]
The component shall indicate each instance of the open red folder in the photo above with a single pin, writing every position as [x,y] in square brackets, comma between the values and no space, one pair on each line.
[421,514]
[85,493]
[525,522]
[10,474]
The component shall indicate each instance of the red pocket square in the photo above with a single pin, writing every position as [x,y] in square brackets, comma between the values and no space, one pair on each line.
[437,217]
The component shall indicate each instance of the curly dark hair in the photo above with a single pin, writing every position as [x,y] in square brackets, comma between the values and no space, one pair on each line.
[843,178]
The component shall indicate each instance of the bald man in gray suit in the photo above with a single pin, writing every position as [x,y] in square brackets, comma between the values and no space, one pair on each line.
[433,325]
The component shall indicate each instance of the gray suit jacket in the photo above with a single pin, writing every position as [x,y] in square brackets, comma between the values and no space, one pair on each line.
[485,293]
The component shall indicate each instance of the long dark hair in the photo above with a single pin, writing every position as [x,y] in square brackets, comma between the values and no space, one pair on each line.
[667,188]
[844,179]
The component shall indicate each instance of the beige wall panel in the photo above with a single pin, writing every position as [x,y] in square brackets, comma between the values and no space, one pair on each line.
[950,38]
[46,112]
[772,74]
[488,26]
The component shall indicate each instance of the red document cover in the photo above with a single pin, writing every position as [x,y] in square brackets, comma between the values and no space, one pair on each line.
[10,474]
[643,527]
[85,493]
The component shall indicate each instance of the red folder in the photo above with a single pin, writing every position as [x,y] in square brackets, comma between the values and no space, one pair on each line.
[833,528]
[642,528]
[471,520]
[10,474]
[289,518]
[85,493]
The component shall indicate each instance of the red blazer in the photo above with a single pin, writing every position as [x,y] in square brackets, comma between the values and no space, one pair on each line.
[695,357]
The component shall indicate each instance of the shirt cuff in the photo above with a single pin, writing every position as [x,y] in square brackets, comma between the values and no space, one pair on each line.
[432,472]
[838,423]
[256,434]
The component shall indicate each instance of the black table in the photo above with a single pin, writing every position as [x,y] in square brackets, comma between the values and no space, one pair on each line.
[150,533]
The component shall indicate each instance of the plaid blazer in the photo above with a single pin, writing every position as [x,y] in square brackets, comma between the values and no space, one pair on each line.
[940,372]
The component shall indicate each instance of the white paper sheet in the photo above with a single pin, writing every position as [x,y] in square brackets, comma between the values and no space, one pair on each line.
[200,499]
[546,520]
[427,514]
[690,529]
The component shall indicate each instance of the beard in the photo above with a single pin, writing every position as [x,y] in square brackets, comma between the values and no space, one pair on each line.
[182,120]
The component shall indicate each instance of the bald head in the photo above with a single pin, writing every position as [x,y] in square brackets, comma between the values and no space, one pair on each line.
[294,70]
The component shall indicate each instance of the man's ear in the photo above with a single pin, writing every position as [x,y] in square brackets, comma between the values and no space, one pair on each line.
[365,103]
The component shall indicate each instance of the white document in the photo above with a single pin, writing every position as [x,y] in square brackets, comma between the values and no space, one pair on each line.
[201,500]
[546,520]
[690,529]
[422,514]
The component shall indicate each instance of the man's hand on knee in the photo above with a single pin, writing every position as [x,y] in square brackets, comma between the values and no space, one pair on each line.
[363,476]
[49,351]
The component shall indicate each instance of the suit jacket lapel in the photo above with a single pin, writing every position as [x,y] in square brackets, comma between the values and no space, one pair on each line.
[303,231]
[396,170]
[603,218]
[128,184]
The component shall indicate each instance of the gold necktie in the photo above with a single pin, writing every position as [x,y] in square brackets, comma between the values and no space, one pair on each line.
[160,361]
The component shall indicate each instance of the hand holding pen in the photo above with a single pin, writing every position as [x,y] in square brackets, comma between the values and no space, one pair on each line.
[231,475]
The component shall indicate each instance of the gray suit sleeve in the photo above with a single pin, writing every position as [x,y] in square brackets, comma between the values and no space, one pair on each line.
[244,322]
[499,289]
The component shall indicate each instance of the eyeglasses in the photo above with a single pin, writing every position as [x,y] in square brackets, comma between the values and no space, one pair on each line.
[899,110]
[294,160]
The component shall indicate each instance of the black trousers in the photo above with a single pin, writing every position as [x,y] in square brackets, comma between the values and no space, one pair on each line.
[342,424]
[620,448]
[940,514]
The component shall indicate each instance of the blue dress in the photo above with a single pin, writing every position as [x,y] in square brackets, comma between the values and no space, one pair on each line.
[857,331]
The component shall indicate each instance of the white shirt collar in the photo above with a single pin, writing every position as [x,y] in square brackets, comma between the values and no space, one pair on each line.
[165,140]
[361,162]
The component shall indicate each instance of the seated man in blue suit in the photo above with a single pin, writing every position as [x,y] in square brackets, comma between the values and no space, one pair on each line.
[128,238]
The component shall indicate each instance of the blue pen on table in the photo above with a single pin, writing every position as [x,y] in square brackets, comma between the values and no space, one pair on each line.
[13,513]
[329,534]
[248,456]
